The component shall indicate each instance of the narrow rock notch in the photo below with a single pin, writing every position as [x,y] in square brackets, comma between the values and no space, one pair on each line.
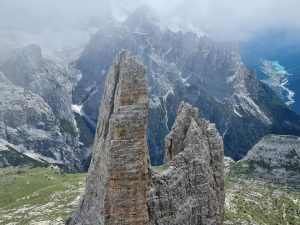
[117,183]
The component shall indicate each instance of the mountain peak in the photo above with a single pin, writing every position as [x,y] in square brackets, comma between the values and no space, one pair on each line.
[144,19]
[33,52]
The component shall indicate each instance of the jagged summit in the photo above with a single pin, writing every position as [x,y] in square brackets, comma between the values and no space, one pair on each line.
[144,19]
[174,141]
[120,188]
[181,66]
[190,189]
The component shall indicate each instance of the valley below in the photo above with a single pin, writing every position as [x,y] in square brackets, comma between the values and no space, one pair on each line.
[278,79]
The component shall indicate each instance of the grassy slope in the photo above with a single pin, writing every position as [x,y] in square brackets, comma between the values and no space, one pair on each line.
[30,195]
[37,194]
[253,201]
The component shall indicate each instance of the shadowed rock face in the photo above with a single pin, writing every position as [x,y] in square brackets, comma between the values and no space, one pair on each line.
[116,188]
[190,189]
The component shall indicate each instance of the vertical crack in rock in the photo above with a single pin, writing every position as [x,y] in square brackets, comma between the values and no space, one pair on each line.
[117,183]
[190,188]
[120,190]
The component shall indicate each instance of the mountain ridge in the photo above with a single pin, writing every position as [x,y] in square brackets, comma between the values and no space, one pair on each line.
[179,64]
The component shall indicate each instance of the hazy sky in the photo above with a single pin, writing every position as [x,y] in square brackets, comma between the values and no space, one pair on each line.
[220,19]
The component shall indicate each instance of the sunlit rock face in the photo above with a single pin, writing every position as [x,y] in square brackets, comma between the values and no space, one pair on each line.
[117,184]
[190,188]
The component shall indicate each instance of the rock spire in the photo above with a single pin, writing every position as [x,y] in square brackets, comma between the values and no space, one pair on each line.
[122,190]
[117,183]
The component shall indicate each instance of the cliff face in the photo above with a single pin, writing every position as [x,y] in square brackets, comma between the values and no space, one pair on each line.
[52,81]
[28,126]
[190,188]
[36,115]
[116,188]
[120,189]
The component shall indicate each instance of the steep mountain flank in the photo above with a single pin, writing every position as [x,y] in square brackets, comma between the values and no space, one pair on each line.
[276,158]
[184,67]
[53,82]
[29,128]
[190,188]
[10,156]
[46,81]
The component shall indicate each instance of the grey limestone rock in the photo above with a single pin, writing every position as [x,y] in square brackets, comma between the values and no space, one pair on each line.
[53,82]
[190,188]
[29,78]
[182,66]
[29,125]
[275,158]
[121,190]
[117,184]
[276,151]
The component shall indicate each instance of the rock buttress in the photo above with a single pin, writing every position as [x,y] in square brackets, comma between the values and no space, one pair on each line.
[117,183]
[190,188]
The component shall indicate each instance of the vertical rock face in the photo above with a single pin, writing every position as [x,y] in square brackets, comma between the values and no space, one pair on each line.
[190,189]
[116,188]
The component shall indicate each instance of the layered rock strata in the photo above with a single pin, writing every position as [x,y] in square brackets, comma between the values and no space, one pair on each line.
[116,187]
[275,158]
[121,190]
[190,188]
[30,131]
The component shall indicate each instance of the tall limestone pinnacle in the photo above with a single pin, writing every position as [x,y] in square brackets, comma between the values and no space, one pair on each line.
[117,183]
[121,189]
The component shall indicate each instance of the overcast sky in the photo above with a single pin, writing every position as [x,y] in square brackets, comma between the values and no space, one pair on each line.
[220,19]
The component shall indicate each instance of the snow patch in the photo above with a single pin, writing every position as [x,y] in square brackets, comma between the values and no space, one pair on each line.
[155,58]
[231,78]
[249,105]
[40,157]
[77,109]
[236,112]
[184,80]
[154,102]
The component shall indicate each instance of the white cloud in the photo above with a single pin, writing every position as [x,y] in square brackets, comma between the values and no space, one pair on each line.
[220,19]
[227,19]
